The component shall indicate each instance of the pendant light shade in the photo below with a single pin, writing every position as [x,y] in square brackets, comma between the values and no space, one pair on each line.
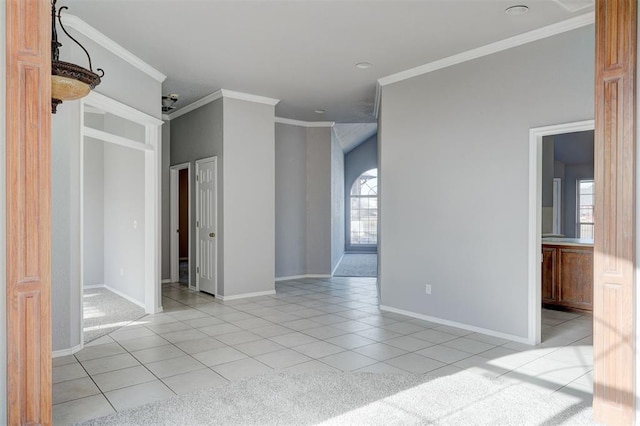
[68,81]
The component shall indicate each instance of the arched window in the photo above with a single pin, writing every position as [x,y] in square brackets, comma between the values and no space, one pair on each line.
[364,209]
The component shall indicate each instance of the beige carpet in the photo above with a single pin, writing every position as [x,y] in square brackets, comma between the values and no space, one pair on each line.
[105,312]
[364,399]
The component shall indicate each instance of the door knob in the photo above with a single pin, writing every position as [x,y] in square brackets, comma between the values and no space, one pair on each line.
[212,234]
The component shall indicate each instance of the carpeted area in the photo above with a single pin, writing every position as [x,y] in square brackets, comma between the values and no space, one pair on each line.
[183,272]
[105,311]
[364,398]
[358,265]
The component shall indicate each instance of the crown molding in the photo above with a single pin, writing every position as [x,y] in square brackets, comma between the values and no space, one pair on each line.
[499,46]
[222,93]
[301,123]
[573,9]
[249,97]
[165,117]
[378,99]
[72,21]
[195,105]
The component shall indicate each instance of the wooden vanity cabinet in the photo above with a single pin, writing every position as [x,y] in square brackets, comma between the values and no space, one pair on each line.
[567,276]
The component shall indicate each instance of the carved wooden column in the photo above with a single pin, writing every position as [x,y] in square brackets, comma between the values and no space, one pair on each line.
[614,251]
[28,183]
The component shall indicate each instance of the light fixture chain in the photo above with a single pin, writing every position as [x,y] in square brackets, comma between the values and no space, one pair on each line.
[100,71]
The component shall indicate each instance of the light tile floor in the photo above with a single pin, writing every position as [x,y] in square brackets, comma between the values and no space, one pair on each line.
[308,325]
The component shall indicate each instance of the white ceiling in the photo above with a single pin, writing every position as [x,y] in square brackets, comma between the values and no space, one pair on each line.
[303,52]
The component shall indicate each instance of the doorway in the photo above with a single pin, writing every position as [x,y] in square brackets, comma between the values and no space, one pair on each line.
[180,193]
[360,258]
[539,216]
[118,216]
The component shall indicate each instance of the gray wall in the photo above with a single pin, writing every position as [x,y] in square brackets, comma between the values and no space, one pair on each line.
[337,202]
[166,202]
[3,254]
[455,154]
[319,201]
[66,309]
[246,187]
[194,136]
[357,161]
[290,200]
[547,171]
[93,216]
[128,85]
[122,81]
[249,192]
[113,238]
[308,202]
[124,220]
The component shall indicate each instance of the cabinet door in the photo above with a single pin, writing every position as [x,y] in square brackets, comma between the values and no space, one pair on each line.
[576,275]
[549,275]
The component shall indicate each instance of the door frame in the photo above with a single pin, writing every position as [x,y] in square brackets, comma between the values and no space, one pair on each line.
[213,159]
[174,197]
[535,218]
[152,148]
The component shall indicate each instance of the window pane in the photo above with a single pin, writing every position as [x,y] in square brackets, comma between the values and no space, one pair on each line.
[586,196]
[364,209]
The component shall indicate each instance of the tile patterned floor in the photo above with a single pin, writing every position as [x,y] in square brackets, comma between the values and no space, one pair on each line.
[308,325]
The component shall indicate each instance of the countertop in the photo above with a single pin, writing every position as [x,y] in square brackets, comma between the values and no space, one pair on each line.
[567,241]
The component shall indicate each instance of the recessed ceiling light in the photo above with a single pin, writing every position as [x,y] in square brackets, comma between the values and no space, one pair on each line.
[516,10]
[320,111]
[364,65]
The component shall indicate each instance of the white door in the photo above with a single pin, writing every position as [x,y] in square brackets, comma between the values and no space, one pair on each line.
[206,204]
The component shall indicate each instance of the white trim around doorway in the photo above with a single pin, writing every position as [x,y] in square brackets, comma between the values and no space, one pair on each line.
[152,147]
[174,184]
[535,219]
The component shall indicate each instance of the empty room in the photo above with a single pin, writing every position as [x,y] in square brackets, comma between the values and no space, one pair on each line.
[309,212]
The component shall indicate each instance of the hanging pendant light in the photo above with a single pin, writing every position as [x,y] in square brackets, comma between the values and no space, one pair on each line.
[68,81]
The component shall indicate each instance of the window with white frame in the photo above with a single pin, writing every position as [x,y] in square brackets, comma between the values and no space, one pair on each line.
[586,194]
[364,209]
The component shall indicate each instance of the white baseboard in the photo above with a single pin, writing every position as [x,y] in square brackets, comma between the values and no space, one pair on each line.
[338,264]
[129,298]
[93,286]
[166,281]
[458,325]
[65,352]
[245,295]
[290,277]
[298,277]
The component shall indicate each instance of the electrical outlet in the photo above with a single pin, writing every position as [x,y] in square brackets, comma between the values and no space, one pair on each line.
[122,272]
[427,288]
